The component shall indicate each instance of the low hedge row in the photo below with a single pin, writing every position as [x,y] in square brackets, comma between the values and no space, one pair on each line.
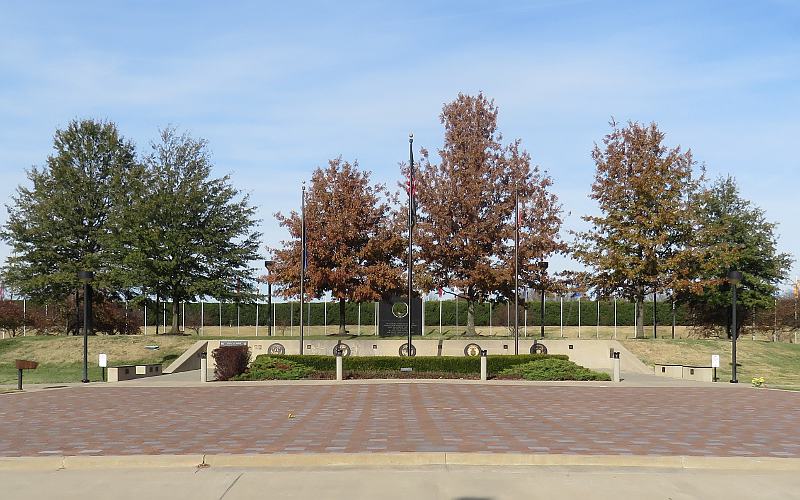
[528,367]
[275,368]
[449,364]
[553,369]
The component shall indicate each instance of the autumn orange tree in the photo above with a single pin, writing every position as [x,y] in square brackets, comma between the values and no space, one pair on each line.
[465,225]
[642,240]
[354,240]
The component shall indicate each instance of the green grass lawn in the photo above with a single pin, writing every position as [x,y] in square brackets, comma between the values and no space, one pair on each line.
[777,362]
[60,358]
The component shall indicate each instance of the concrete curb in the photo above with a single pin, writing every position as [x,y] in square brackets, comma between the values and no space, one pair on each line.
[131,462]
[154,383]
[323,460]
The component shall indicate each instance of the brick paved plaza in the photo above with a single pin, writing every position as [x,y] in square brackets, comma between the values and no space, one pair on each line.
[401,417]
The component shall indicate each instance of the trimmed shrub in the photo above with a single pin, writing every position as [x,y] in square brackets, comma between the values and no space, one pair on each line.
[271,368]
[442,364]
[231,361]
[12,317]
[553,369]
[528,367]
[112,318]
[495,364]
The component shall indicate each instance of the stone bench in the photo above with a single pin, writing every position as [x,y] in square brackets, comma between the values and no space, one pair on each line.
[130,372]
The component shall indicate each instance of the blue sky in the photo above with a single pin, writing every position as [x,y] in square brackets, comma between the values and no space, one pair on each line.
[279,88]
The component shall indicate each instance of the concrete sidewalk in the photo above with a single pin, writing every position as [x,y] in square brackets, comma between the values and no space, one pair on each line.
[390,483]
[192,379]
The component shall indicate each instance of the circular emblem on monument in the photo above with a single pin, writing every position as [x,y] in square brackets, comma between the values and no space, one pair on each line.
[404,350]
[400,309]
[276,348]
[472,350]
[342,350]
[537,348]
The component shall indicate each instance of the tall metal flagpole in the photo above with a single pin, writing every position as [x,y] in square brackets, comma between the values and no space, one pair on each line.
[410,233]
[516,270]
[302,261]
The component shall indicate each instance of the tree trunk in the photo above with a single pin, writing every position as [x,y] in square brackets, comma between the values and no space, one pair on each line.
[728,324]
[175,316]
[157,305]
[639,318]
[77,329]
[342,322]
[470,316]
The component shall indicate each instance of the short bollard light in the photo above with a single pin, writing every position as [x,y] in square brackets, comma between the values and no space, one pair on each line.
[203,355]
[484,353]
[338,365]
[616,367]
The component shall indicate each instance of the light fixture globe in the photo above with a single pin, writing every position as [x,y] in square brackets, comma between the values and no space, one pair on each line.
[734,277]
[86,276]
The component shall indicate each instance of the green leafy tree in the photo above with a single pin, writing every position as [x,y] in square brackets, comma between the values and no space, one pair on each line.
[188,234]
[64,221]
[734,234]
[642,240]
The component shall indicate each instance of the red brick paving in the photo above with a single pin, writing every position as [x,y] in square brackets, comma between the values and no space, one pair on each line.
[413,417]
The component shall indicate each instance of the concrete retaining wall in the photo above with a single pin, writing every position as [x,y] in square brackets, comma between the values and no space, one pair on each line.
[671,371]
[130,372]
[189,360]
[700,373]
[592,354]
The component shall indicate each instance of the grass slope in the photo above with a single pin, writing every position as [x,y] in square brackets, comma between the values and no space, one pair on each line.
[61,358]
[777,362]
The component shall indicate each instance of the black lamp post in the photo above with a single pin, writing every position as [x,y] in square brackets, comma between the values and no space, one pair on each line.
[734,278]
[268,264]
[543,266]
[86,277]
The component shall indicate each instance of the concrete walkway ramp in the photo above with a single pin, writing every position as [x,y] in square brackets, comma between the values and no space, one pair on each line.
[189,360]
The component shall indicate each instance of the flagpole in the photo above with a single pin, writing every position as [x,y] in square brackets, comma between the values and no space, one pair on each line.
[410,233]
[302,261]
[516,269]
[440,310]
